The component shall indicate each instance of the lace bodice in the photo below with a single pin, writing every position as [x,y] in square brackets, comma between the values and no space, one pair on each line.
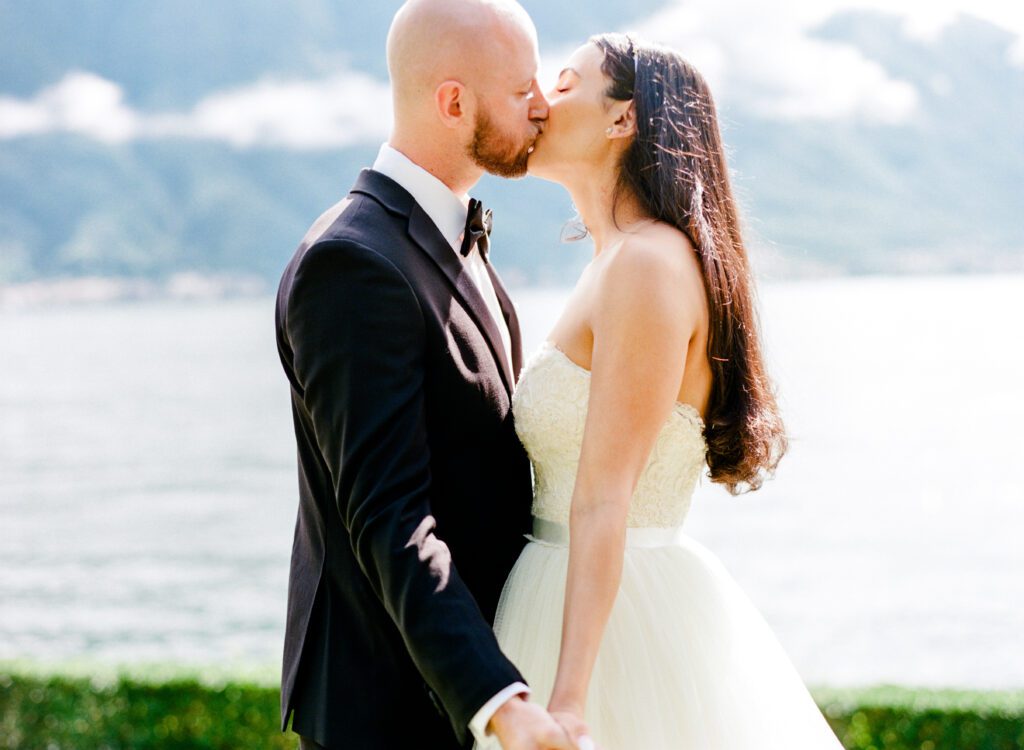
[550,409]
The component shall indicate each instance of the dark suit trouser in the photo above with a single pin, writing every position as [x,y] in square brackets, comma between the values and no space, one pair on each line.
[308,744]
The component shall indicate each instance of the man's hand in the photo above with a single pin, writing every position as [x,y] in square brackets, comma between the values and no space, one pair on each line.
[521,725]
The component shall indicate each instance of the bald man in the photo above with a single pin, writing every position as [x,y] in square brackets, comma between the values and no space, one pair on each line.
[402,349]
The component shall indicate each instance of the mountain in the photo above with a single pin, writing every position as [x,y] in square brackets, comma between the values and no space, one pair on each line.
[939,191]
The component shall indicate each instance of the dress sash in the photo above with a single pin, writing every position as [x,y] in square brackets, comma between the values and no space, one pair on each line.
[556,534]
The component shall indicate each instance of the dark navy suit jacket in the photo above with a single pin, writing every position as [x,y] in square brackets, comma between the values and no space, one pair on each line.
[414,491]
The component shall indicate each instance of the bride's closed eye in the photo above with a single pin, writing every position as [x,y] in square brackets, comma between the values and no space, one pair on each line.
[564,81]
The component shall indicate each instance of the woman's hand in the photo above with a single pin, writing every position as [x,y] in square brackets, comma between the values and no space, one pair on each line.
[574,726]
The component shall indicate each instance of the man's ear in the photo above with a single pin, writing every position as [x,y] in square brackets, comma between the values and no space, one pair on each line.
[625,120]
[450,99]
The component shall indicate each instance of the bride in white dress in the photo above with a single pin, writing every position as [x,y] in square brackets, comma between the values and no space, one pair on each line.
[630,631]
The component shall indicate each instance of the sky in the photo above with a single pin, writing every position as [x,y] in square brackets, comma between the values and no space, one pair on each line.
[759,56]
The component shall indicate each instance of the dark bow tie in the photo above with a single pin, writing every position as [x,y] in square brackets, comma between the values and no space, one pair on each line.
[478,229]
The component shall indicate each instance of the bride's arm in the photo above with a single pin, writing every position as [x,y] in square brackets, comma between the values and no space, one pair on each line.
[644,316]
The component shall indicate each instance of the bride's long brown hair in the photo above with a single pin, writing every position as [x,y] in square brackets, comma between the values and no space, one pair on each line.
[676,167]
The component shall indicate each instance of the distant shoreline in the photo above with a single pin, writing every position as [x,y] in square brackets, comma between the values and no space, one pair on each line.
[193,287]
[99,290]
[89,291]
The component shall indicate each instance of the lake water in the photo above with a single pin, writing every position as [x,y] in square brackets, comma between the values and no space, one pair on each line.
[148,491]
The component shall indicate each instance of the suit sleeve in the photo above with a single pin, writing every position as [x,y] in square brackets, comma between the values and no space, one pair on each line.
[358,339]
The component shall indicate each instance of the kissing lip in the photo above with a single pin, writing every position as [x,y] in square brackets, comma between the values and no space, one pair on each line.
[539,127]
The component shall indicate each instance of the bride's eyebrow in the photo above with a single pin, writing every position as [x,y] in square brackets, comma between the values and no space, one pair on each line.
[569,70]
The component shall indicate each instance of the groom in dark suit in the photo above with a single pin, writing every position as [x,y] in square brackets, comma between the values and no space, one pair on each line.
[402,349]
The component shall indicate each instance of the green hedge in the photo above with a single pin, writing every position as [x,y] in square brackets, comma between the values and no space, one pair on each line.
[894,718]
[65,713]
[44,712]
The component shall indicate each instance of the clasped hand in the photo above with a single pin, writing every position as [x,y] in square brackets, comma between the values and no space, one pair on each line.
[521,725]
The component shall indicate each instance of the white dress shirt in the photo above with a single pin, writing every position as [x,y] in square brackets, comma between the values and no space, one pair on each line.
[448,212]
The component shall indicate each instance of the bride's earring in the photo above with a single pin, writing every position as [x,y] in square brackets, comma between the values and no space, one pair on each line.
[608,130]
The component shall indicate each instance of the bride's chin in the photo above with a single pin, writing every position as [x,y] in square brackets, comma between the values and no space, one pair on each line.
[535,166]
[540,171]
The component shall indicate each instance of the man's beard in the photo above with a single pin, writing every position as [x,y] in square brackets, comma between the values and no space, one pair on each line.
[494,151]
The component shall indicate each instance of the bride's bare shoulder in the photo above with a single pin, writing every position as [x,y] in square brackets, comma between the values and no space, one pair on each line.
[656,257]
[648,303]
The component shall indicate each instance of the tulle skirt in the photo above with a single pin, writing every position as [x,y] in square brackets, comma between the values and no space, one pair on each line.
[686,663]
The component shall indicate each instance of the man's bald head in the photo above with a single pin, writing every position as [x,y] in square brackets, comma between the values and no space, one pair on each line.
[464,83]
[469,41]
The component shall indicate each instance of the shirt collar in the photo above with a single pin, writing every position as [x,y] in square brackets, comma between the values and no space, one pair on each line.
[446,209]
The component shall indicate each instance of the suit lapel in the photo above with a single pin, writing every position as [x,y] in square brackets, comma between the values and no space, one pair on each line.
[428,237]
[433,243]
[508,310]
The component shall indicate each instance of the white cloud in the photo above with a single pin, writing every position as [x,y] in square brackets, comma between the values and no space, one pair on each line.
[926,19]
[763,57]
[757,56]
[337,111]
[764,60]
[81,103]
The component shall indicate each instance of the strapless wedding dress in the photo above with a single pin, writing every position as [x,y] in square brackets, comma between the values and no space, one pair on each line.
[686,662]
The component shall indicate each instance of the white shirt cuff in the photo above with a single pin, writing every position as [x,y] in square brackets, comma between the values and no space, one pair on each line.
[478,725]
